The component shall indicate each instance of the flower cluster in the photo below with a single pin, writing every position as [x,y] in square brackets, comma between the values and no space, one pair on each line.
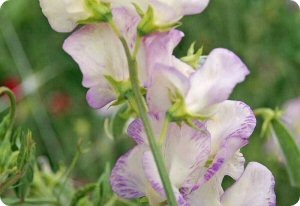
[199,131]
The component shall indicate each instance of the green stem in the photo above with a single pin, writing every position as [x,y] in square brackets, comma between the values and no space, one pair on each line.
[142,108]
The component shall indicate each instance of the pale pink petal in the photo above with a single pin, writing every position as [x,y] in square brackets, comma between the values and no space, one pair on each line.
[98,52]
[165,83]
[98,97]
[215,80]
[254,188]
[159,47]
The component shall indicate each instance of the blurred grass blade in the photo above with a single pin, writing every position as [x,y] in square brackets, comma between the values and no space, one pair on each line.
[290,150]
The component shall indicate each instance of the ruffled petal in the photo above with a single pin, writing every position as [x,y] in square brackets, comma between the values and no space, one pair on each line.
[215,80]
[254,188]
[230,128]
[98,52]
[127,178]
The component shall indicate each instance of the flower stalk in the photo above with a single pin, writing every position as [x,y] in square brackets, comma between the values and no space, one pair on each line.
[142,112]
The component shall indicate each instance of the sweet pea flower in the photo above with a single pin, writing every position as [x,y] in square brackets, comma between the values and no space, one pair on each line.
[100,55]
[135,174]
[194,157]
[199,92]
[64,15]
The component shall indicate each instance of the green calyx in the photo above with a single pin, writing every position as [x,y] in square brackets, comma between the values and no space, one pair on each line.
[192,57]
[268,115]
[124,92]
[148,24]
[100,12]
[179,113]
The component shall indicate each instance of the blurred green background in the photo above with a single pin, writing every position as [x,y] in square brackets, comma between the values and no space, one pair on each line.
[264,33]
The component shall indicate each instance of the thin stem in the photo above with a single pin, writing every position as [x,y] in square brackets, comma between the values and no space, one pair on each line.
[142,109]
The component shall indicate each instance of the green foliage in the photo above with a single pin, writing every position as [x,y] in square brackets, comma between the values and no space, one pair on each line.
[16,154]
[290,150]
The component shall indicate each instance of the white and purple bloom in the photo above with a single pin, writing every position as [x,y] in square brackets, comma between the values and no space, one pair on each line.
[64,15]
[196,159]
[100,54]
[166,11]
[201,90]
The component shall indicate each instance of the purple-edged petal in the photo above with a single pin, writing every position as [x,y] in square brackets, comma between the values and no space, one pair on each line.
[254,188]
[230,128]
[165,83]
[98,97]
[137,132]
[98,52]
[186,150]
[127,177]
[156,183]
[215,80]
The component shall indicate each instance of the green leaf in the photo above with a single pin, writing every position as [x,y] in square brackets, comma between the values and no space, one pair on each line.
[290,150]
